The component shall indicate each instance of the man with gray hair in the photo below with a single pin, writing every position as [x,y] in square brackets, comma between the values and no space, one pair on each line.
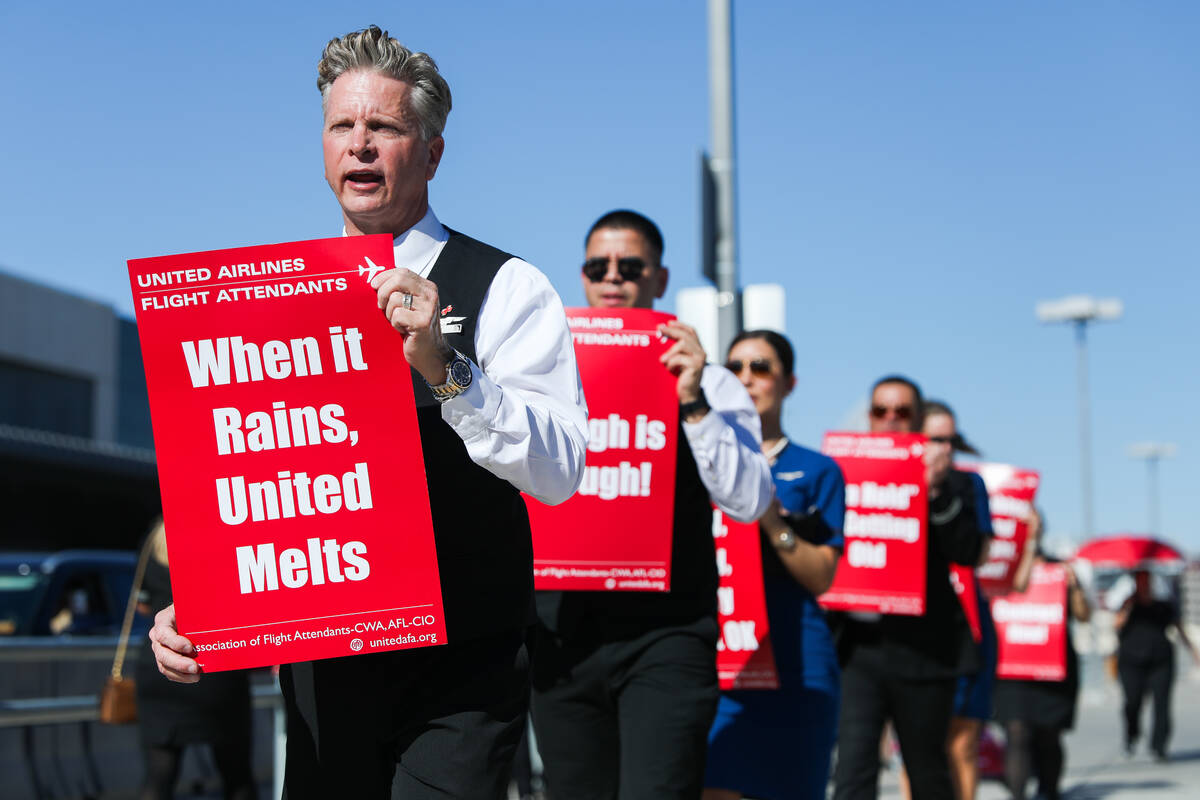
[500,411]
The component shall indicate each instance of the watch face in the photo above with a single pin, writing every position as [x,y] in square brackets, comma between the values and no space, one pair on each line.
[460,373]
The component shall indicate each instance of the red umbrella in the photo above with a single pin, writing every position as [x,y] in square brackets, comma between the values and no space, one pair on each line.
[1130,552]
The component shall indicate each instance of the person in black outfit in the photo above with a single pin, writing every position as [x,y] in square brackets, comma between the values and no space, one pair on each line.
[905,668]
[625,683]
[170,716]
[1146,662]
[1035,713]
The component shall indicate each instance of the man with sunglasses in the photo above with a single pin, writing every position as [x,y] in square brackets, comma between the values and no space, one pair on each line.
[625,683]
[906,668]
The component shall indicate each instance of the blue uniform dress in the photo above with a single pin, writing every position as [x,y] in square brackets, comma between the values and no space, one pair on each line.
[777,744]
[973,696]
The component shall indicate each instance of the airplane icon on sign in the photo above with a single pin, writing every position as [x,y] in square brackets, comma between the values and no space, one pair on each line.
[371,270]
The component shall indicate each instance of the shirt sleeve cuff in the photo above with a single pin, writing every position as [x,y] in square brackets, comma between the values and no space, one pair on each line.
[707,429]
[469,413]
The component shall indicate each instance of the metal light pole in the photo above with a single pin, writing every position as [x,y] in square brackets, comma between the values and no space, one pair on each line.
[1080,310]
[1152,453]
[720,166]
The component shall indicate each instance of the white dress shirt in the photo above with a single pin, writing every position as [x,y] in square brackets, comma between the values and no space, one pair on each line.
[523,418]
[727,446]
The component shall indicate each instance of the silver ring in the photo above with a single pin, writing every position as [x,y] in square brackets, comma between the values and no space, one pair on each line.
[407,301]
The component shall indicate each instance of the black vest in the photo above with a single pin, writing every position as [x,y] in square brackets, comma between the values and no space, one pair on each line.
[480,526]
[612,616]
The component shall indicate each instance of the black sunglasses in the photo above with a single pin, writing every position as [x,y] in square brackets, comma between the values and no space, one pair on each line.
[759,366]
[629,268]
[901,412]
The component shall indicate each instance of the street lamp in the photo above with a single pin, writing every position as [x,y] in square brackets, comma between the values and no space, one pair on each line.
[720,196]
[1152,453]
[1080,310]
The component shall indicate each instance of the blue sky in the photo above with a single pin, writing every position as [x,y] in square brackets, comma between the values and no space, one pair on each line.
[916,175]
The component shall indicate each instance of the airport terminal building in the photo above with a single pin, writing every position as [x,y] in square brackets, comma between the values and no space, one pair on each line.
[77,462]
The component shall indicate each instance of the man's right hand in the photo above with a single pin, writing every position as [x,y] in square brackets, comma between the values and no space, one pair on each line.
[684,359]
[939,459]
[173,653]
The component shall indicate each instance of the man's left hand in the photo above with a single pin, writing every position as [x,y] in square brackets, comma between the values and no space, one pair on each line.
[772,521]
[420,325]
[684,359]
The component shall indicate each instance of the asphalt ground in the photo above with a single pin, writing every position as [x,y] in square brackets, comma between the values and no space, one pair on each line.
[1097,768]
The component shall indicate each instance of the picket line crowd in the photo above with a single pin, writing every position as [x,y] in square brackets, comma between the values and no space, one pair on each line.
[622,686]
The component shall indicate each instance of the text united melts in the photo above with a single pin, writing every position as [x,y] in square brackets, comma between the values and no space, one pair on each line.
[289,493]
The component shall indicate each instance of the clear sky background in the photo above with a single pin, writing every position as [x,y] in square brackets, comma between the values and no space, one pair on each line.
[917,175]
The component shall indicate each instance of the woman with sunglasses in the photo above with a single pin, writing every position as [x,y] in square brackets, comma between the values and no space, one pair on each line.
[973,695]
[778,744]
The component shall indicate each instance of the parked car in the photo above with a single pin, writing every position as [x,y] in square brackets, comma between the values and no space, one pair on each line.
[68,593]
[74,601]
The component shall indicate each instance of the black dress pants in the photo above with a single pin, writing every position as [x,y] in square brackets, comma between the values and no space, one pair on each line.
[1139,677]
[447,719]
[920,713]
[626,719]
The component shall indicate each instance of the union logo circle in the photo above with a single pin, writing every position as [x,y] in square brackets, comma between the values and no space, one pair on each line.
[356,645]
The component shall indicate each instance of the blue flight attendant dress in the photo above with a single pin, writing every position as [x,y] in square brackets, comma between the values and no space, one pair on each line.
[773,745]
[973,696]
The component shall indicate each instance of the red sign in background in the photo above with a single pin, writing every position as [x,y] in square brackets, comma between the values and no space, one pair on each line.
[614,533]
[883,568]
[745,659]
[1010,497]
[963,580]
[1031,628]
[289,458]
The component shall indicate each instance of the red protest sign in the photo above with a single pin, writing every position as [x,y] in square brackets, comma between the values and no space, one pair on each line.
[963,580]
[614,533]
[289,458]
[883,568]
[745,659]
[1031,628]
[1010,497]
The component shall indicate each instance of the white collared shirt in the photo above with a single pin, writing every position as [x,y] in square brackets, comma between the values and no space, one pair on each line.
[727,446]
[523,418]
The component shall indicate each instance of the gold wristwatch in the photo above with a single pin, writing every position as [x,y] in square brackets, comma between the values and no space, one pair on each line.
[458,379]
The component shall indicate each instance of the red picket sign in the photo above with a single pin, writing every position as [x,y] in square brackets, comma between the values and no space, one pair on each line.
[289,458]
[614,533]
[883,568]
[1032,627]
[963,580]
[1010,496]
[745,659]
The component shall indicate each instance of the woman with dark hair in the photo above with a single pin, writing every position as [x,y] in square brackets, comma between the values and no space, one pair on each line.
[777,744]
[973,694]
[1035,713]
[1146,661]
